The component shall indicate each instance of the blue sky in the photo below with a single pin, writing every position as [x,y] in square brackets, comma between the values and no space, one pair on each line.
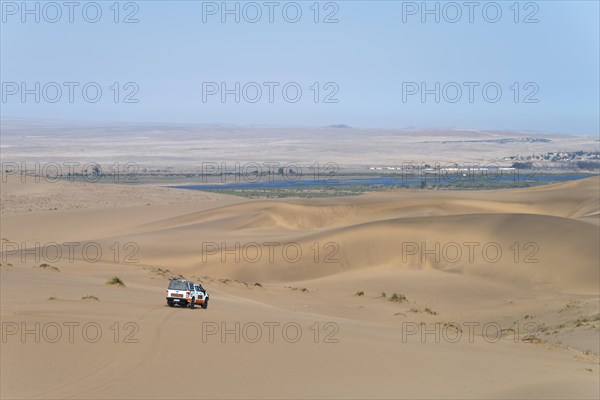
[368,61]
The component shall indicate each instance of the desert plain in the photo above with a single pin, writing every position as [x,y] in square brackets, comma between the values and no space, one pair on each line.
[393,294]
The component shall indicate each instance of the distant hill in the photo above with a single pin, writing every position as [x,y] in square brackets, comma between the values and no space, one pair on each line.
[339,126]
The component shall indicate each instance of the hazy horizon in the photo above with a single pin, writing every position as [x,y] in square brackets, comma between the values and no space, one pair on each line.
[365,64]
[333,125]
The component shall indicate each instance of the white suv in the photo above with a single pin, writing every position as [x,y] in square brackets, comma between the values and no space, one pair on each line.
[186,293]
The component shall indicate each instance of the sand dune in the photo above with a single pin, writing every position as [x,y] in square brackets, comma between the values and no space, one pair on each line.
[398,230]
[547,311]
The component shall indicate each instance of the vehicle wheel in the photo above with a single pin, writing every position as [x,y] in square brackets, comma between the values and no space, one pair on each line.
[193,302]
[205,304]
[170,303]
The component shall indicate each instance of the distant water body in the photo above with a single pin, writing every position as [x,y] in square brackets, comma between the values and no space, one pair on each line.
[375,181]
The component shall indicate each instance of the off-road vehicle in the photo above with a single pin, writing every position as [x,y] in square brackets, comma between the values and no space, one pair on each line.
[186,293]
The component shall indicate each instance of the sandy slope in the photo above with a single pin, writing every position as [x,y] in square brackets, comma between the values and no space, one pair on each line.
[367,346]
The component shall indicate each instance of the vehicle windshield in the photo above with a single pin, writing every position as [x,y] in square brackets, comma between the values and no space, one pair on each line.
[178,285]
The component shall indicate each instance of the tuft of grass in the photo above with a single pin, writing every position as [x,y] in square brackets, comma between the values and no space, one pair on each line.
[581,321]
[90,297]
[360,293]
[48,267]
[297,288]
[398,298]
[52,298]
[258,284]
[425,310]
[532,339]
[115,280]
[453,325]
[166,273]
[383,295]
[571,305]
